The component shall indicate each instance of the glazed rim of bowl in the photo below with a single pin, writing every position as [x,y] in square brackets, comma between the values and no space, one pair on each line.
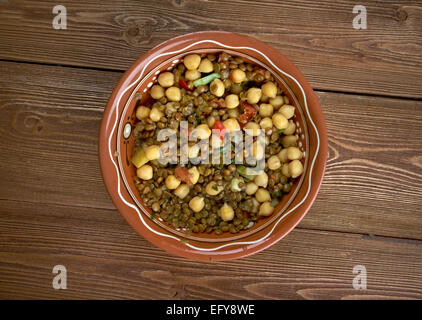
[205,251]
[259,224]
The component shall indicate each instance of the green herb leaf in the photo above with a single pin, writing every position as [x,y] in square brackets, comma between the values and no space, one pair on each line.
[280,130]
[152,216]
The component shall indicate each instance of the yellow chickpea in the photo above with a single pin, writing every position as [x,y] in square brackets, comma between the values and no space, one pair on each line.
[197,204]
[232,101]
[295,168]
[266,110]
[266,209]
[226,212]
[282,155]
[182,191]
[174,94]
[289,141]
[231,125]
[152,152]
[192,75]
[237,75]
[280,121]
[142,112]
[252,128]
[213,188]
[253,95]
[205,66]
[261,180]
[251,188]
[192,61]
[287,110]
[155,114]
[202,131]
[193,175]
[145,172]
[273,163]
[166,79]
[266,123]
[257,151]
[172,182]
[262,195]
[291,128]
[293,153]
[157,92]
[285,170]
[217,87]
[277,102]
[269,89]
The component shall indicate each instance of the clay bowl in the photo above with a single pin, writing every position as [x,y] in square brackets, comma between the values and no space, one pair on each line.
[116,145]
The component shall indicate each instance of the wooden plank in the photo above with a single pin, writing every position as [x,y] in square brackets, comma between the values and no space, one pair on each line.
[106,259]
[318,36]
[48,142]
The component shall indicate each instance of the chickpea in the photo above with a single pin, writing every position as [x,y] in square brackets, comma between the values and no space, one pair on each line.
[144,172]
[152,152]
[261,180]
[217,87]
[257,151]
[192,61]
[291,128]
[193,151]
[251,188]
[266,110]
[237,75]
[253,95]
[226,212]
[172,182]
[289,141]
[182,191]
[262,195]
[155,114]
[280,121]
[202,131]
[252,128]
[174,94]
[285,170]
[294,153]
[197,203]
[232,101]
[216,142]
[192,75]
[269,89]
[193,175]
[157,92]
[213,188]
[205,66]
[295,168]
[266,123]
[231,125]
[266,209]
[142,112]
[166,79]
[277,102]
[273,163]
[282,155]
[287,110]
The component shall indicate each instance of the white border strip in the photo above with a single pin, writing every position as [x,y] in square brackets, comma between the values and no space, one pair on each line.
[231,243]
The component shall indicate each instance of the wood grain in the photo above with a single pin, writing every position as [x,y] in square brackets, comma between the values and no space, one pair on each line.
[318,36]
[48,143]
[106,259]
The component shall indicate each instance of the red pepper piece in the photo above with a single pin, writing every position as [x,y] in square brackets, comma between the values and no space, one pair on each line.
[248,113]
[183,84]
[218,125]
[183,175]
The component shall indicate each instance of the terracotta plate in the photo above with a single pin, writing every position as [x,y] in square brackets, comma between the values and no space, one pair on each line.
[116,145]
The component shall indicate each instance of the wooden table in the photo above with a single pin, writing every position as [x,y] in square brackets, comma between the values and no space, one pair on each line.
[55,210]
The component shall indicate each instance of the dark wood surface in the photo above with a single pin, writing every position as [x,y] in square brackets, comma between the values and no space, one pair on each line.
[54,208]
